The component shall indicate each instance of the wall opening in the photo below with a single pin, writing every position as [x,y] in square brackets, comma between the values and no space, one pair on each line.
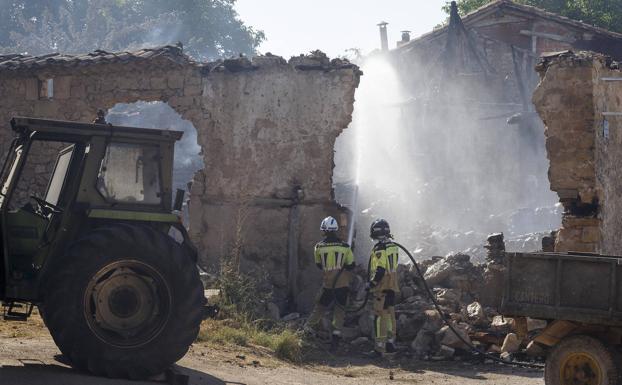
[46,89]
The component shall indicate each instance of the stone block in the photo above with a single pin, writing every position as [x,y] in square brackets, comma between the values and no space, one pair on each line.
[175,81]
[193,90]
[108,85]
[433,321]
[181,101]
[32,88]
[408,327]
[506,356]
[62,87]
[423,344]
[449,338]
[366,324]
[273,311]
[446,352]
[501,324]
[511,344]
[158,83]
[536,324]
[407,292]
[475,312]
[590,234]
[77,91]
[193,80]
[46,108]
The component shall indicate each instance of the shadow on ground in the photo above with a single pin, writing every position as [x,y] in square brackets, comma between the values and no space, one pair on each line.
[466,367]
[35,372]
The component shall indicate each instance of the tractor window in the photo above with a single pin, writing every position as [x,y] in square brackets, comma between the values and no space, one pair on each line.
[58,176]
[130,173]
[10,174]
[37,172]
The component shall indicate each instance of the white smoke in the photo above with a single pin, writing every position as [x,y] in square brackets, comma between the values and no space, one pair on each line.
[436,172]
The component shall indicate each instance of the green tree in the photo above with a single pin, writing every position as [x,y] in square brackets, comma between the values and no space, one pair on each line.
[602,13]
[207,28]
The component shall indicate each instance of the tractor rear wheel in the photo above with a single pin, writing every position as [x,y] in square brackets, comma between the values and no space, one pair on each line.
[124,301]
[581,360]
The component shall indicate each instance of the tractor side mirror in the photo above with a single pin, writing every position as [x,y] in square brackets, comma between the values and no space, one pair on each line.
[179,199]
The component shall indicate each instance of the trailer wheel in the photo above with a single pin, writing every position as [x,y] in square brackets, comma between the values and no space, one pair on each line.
[124,301]
[581,360]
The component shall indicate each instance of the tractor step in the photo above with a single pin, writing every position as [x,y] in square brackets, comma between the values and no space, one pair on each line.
[15,311]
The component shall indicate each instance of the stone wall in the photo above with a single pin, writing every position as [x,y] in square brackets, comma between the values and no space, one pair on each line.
[564,100]
[580,101]
[608,138]
[267,130]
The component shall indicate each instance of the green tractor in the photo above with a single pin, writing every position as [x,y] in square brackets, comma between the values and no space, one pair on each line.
[99,249]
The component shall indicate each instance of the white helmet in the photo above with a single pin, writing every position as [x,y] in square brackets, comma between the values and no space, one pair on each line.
[329,224]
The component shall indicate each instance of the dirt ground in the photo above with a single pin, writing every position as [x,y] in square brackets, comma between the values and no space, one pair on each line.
[28,356]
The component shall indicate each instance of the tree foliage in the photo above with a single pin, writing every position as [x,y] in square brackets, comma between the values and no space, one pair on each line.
[602,13]
[207,28]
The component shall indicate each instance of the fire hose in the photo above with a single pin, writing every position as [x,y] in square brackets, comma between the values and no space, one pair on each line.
[474,350]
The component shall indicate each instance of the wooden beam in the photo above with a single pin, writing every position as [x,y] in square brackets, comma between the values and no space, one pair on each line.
[549,36]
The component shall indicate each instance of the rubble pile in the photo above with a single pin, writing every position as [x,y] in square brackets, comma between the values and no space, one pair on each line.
[430,235]
[460,288]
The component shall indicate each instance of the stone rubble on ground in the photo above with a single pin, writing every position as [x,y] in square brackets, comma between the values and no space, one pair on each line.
[462,291]
[511,344]
[291,317]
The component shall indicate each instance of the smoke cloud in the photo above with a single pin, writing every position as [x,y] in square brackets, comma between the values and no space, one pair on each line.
[439,168]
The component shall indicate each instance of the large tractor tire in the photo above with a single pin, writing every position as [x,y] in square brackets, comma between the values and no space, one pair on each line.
[581,360]
[124,301]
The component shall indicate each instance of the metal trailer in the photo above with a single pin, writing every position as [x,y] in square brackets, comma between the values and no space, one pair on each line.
[579,294]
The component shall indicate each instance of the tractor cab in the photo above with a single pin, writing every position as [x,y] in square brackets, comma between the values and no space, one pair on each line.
[62,178]
[89,235]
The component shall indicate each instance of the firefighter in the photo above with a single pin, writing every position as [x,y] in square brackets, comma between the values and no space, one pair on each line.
[334,257]
[383,284]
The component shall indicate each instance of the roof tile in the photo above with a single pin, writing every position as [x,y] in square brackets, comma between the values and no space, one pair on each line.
[19,61]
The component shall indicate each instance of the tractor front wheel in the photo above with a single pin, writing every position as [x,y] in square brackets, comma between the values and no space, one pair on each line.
[124,301]
[581,360]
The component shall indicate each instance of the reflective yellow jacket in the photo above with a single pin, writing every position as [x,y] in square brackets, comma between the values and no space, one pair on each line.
[383,266]
[331,255]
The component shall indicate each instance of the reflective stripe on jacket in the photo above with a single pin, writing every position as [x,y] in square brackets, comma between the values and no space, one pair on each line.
[383,269]
[332,255]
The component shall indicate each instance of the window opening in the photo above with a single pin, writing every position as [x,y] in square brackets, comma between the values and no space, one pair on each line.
[46,89]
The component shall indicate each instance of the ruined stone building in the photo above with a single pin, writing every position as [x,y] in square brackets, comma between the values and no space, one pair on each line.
[264,126]
[469,86]
[580,101]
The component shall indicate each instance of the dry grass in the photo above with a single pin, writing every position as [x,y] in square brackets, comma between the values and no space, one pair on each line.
[283,343]
[242,303]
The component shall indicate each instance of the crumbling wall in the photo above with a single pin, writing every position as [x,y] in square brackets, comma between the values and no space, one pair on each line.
[267,130]
[580,100]
[268,165]
[564,100]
